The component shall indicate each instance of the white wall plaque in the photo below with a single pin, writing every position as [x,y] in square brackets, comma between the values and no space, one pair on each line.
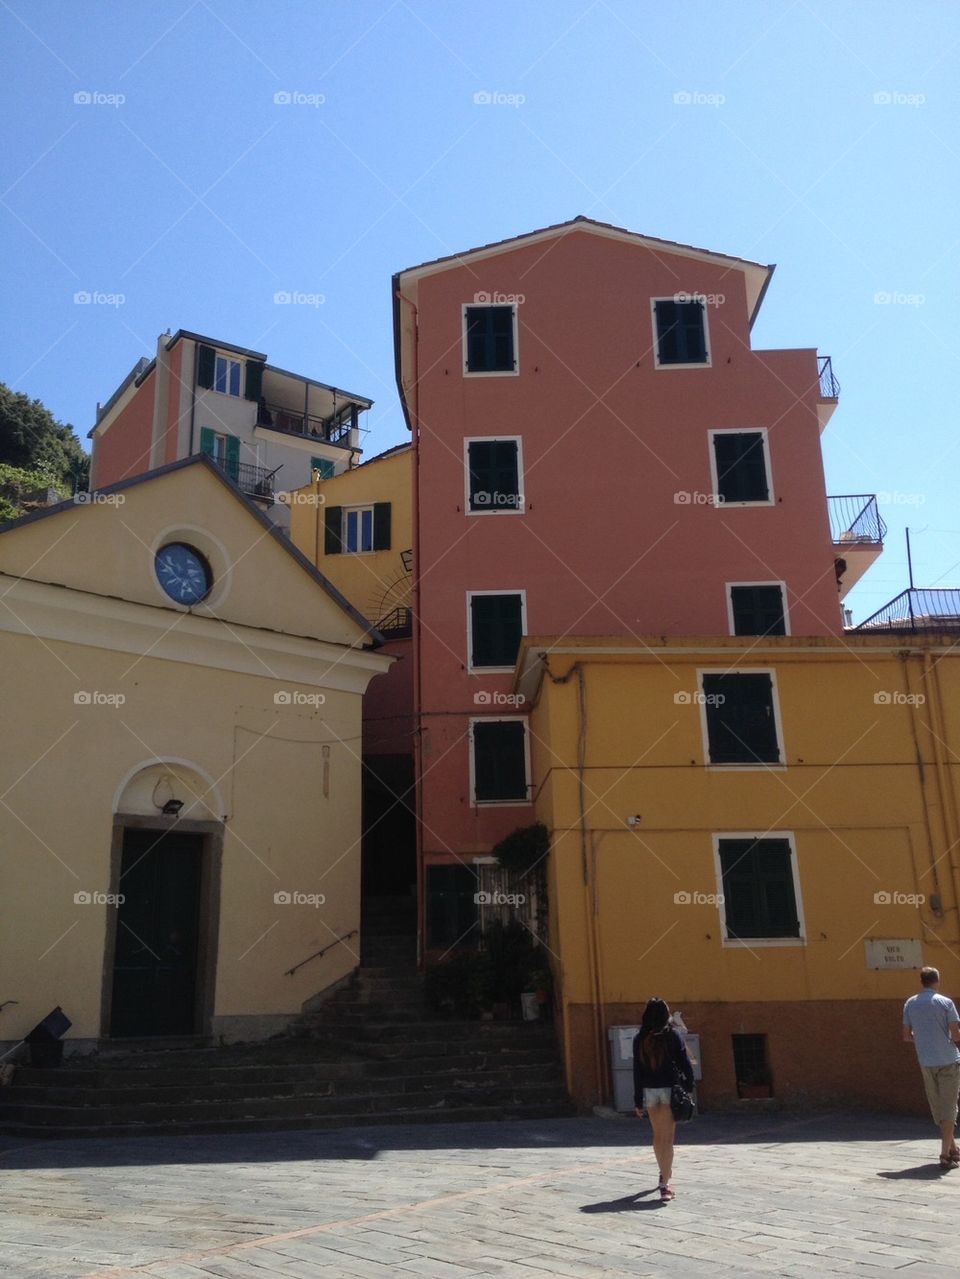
[894,952]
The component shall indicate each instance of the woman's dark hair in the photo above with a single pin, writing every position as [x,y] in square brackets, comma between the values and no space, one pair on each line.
[653,1023]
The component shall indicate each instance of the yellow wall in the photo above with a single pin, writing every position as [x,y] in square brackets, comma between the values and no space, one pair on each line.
[56,833]
[375,582]
[866,819]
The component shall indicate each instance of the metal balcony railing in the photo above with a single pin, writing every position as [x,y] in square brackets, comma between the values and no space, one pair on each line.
[255,481]
[397,624]
[918,610]
[331,430]
[829,386]
[855,520]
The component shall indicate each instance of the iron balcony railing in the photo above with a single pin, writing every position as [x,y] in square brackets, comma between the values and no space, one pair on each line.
[918,610]
[397,624]
[331,430]
[855,520]
[255,481]
[829,386]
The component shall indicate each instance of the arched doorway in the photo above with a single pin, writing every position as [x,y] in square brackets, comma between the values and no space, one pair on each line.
[160,961]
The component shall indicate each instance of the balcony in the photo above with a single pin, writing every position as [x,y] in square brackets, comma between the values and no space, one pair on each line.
[917,610]
[336,429]
[254,481]
[857,531]
[829,390]
[397,624]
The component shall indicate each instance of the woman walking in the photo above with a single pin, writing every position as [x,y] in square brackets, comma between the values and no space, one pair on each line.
[659,1061]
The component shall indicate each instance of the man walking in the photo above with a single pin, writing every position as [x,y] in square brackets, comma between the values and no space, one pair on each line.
[930,1020]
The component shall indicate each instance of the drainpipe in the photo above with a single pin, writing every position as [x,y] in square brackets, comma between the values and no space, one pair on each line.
[948,816]
[588,870]
[922,774]
[193,395]
[417,659]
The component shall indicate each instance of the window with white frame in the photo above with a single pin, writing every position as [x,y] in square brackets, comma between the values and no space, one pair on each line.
[680,332]
[741,467]
[227,375]
[760,887]
[496,625]
[757,608]
[490,339]
[740,718]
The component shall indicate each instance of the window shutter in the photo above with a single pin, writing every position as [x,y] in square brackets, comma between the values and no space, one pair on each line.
[207,440]
[496,628]
[206,361]
[741,466]
[758,610]
[668,346]
[741,904]
[254,385]
[332,523]
[233,457]
[499,760]
[760,900]
[381,526]
[694,333]
[741,723]
[323,465]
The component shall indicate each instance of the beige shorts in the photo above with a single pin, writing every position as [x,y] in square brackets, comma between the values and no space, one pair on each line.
[942,1083]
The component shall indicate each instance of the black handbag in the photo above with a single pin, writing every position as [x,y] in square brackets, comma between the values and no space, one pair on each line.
[681,1102]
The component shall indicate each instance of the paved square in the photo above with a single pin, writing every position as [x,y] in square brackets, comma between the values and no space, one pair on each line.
[763,1193]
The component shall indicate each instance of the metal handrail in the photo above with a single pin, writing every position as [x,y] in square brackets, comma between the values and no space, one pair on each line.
[829,386]
[918,609]
[319,953]
[855,518]
[398,622]
[276,417]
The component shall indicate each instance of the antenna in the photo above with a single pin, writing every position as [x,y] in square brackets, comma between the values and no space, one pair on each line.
[909,561]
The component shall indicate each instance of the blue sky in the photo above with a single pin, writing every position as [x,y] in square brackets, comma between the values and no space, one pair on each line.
[820,136]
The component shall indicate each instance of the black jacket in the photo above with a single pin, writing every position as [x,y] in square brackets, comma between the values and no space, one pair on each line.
[676,1064]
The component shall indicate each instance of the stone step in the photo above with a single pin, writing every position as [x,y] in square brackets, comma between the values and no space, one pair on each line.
[306,1067]
[441,1113]
[305,1106]
[303,1083]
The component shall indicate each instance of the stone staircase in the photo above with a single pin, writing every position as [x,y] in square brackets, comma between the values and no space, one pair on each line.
[370,1053]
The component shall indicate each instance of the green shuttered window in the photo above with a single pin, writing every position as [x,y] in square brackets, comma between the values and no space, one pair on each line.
[741,719]
[496,627]
[758,888]
[499,760]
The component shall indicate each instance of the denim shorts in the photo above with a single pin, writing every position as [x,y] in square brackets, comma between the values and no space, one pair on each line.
[656,1097]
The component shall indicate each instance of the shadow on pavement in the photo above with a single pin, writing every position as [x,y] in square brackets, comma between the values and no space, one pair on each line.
[923,1172]
[783,1128]
[629,1203]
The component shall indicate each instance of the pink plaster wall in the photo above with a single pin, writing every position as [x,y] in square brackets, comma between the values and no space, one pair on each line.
[608,441]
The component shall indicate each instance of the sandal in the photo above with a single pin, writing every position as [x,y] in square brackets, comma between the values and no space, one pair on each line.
[666,1193]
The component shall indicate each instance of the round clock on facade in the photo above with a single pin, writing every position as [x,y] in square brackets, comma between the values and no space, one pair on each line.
[183,573]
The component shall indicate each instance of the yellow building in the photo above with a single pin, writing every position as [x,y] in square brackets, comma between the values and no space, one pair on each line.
[179,768]
[357,528]
[764,832]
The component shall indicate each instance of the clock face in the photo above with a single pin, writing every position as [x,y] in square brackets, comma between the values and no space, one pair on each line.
[183,573]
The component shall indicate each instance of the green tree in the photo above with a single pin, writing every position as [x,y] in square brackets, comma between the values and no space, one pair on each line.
[32,439]
[37,453]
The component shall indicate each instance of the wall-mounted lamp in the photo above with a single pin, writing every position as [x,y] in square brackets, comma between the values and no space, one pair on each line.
[634,819]
[172,807]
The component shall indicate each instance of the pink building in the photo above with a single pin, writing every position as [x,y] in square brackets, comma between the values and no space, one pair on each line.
[598,450]
[268,429]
